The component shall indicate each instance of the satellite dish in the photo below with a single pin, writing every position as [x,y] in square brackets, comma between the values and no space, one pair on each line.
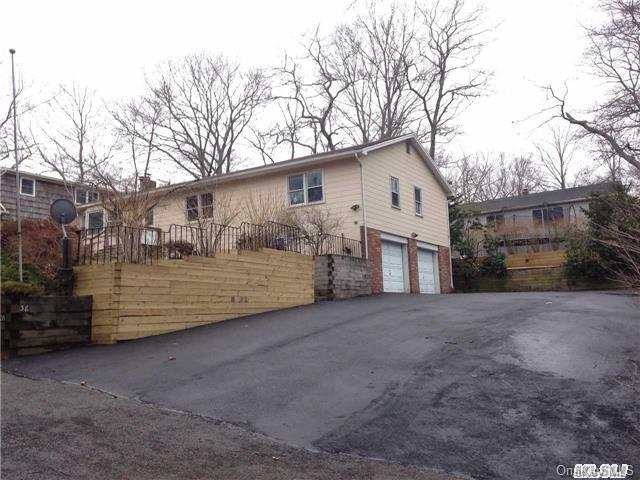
[63,211]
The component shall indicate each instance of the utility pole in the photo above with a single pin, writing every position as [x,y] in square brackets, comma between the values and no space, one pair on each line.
[12,51]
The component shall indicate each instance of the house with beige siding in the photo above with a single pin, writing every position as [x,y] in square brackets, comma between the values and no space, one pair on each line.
[388,194]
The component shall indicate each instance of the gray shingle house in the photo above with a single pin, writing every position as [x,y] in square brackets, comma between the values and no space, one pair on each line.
[541,217]
[36,194]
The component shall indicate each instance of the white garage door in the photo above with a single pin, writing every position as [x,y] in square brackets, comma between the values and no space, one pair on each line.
[392,267]
[426,271]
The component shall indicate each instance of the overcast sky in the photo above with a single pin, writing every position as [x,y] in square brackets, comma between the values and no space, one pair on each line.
[109,45]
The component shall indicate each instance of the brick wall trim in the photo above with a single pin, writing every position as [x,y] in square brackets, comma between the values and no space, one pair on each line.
[444,269]
[375,256]
[414,278]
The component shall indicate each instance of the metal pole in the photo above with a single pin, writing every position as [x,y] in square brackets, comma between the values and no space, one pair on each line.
[15,151]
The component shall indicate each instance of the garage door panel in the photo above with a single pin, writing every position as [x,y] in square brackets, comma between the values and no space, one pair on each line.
[427,271]
[392,267]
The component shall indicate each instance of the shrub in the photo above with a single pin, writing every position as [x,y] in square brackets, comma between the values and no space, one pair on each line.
[583,261]
[11,287]
[180,249]
[40,247]
[494,263]
[31,273]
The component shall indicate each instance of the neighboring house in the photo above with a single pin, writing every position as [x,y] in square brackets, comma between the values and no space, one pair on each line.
[37,192]
[389,189]
[541,216]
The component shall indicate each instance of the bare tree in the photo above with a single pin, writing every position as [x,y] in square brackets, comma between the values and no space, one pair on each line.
[467,177]
[373,54]
[262,207]
[206,105]
[25,107]
[556,155]
[614,54]
[444,74]
[487,176]
[316,225]
[314,96]
[70,139]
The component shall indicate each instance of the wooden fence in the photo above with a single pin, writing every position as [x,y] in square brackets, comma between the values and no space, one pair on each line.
[537,260]
[42,324]
[134,301]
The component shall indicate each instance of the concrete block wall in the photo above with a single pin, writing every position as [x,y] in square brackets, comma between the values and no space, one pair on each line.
[340,277]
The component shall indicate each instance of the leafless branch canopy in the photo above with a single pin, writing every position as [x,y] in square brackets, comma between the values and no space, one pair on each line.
[614,55]
[201,105]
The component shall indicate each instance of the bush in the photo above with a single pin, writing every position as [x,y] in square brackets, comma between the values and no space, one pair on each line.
[11,287]
[494,263]
[180,249]
[31,273]
[583,261]
[40,248]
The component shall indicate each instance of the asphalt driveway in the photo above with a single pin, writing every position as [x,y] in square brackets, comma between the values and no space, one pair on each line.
[489,385]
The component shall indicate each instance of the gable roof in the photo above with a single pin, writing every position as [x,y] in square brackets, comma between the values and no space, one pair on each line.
[551,197]
[37,176]
[309,160]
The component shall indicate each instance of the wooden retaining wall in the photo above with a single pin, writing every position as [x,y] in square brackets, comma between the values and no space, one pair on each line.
[41,324]
[540,259]
[527,280]
[135,301]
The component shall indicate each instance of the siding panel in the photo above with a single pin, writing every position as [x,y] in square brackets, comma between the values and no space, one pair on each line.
[409,168]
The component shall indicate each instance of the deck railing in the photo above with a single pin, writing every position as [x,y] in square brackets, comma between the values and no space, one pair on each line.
[146,245]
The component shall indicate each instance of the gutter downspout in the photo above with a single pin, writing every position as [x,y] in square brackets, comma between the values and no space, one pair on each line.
[450,247]
[364,207]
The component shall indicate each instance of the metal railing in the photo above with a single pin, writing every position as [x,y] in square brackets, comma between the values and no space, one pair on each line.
[146,245]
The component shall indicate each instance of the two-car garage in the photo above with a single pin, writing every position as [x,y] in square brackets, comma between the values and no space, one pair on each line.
[395,266]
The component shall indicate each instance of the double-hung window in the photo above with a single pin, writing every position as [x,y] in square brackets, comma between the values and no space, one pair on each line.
[495,221]
[95,219]
[305,188]
[417,192]
[199,206]
[84,195]
[395,192]
[27,187]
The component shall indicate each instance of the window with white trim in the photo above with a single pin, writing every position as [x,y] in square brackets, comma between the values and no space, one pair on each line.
[417,193]
[95,219]
[148,218]
[84,195]
[305,188]
[395,192]
[27,187]
[199,206]
[495,221]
